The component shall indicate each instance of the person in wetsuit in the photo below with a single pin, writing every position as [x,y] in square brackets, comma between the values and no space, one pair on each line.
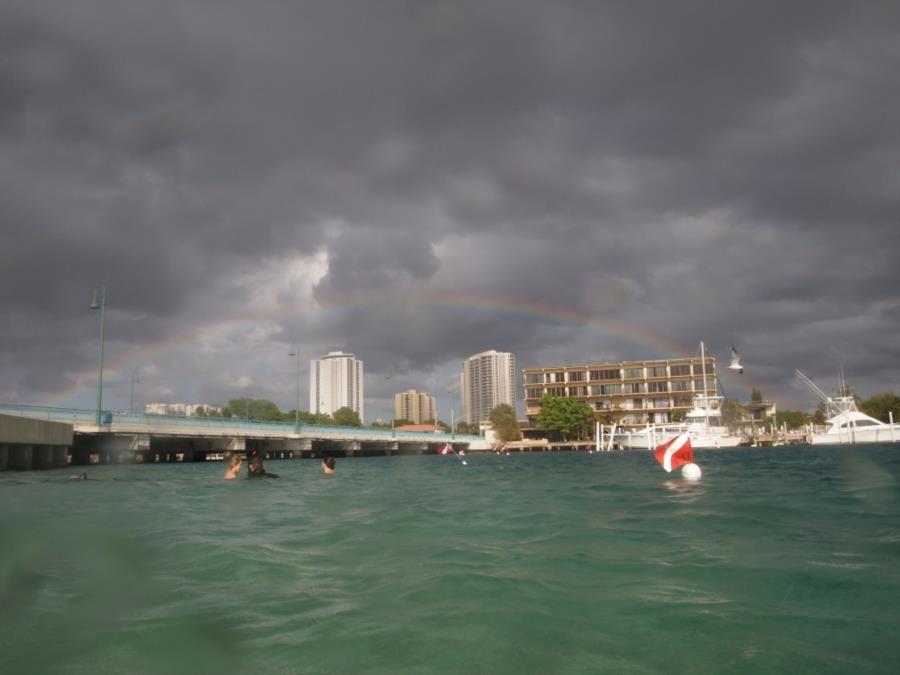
[255,467]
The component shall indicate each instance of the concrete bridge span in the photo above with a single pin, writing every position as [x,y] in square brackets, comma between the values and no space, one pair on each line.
[131,437]
[33,444]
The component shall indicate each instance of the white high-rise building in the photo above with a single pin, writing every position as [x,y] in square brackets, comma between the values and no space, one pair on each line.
[336,381]
[487,380]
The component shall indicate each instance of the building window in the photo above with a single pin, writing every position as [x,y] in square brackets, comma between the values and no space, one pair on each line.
[534,378]
[576,376]
[654,387]
[682,385]
[680,370]
[634,387]
[698,369]
[656,371]
[609,389]
[534,393]
[632,373]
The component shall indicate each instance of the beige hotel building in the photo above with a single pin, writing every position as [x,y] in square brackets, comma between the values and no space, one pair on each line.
[417,407]
[634,392]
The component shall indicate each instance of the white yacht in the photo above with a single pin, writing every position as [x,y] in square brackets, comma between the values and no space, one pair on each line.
[703,422]
[846,425]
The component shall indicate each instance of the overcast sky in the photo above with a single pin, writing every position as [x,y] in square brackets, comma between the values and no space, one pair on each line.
[415,182]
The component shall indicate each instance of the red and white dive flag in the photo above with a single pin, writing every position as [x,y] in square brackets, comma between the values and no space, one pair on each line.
[445,450]
[675,452]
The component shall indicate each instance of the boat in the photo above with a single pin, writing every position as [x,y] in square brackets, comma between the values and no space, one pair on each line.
[702,423]
[846,424]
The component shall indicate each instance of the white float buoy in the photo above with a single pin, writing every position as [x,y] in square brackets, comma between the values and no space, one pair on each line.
[691,472]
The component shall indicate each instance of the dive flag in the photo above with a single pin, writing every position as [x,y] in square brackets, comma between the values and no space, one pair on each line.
[675,452]
[445,450]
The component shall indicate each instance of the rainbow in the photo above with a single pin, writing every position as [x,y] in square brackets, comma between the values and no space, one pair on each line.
[659,346]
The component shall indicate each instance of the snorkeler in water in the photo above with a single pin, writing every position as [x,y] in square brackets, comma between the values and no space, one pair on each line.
[234,466]
[328,465]
[255,466]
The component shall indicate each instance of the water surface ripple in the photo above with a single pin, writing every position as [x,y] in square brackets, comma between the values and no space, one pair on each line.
[782,560]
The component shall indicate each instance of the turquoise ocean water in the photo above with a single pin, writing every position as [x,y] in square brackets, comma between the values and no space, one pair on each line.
[782,560]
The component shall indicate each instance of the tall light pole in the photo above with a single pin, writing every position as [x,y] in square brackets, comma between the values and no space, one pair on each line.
[393,413]
[134,378]
[99,302]
[295,351]
[451,391]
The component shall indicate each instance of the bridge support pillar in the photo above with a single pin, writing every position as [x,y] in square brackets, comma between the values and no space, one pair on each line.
[19,457]
[42,457]
[4,455]
[60,456]
[412,448]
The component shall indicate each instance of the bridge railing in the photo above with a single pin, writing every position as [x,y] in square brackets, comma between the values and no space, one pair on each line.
[110,417]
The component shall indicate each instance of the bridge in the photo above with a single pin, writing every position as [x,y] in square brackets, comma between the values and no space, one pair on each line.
[136,437]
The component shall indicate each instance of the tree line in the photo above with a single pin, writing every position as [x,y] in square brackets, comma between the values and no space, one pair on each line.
[263,410]
[570,418]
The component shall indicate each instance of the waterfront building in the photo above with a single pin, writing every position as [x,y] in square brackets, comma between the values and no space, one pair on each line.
[335,382]
[632,393]
[414,406]
[487,380]
[760,412]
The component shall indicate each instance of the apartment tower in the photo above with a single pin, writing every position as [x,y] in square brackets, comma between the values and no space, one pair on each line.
[336,381]
[414,406]
[487,380]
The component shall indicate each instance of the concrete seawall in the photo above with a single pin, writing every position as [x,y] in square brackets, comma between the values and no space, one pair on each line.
[33,444]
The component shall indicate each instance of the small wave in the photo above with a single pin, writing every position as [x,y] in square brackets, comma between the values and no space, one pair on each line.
[841,565]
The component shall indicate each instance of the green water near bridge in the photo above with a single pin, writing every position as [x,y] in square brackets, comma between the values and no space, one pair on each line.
[780,560]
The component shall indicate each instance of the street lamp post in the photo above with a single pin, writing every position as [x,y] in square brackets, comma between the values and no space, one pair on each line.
[451,391]
[99,302]
[295,351]
[134,378]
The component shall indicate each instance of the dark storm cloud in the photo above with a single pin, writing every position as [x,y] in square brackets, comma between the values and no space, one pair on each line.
[693,169]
